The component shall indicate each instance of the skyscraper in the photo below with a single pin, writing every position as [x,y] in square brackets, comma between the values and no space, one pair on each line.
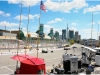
[56,35]
[71,34]
[64,34]
[51,34]
[41,28]
[76,36]
[79,37]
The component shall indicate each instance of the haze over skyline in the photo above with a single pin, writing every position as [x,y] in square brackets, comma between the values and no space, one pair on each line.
[78,14]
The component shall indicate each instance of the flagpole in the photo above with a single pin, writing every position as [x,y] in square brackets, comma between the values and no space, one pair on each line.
[39,32]
[67,35]
[19,35]
[98,33]
[42,7]
[19,29]
[92,30]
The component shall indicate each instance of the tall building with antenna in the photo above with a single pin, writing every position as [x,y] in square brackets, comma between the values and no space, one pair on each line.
[67,37]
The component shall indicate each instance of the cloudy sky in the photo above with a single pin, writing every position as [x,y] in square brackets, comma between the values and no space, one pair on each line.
[78,14]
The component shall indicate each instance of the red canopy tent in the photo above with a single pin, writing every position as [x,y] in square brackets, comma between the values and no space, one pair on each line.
[30,64]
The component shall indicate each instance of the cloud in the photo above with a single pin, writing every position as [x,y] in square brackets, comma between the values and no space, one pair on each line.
[86,33]
[73,28]
[92,9]
[14,29]
[59,30]
[47,26]
[98,22]
[76,11]
[25,3]
[62,6]
[96,12]
[73,24]
[89,24]
[54,21]
[65,6]
[4,14]
[23,28]
[8,24]
[24,17]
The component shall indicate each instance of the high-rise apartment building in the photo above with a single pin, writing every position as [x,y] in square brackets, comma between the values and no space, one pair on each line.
[71,34]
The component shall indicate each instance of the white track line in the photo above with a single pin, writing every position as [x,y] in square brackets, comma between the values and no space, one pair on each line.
[53,58]
[7,65]
[8,68]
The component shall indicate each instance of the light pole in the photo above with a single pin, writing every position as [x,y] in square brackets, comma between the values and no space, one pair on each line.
[92,30]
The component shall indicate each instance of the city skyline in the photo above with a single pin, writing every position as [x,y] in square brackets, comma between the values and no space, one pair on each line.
[77,13]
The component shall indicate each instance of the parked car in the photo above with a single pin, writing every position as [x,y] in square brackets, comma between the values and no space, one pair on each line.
[60,46]
[66,48]
[66,45]
[27,47]
[44,51]
[74,47]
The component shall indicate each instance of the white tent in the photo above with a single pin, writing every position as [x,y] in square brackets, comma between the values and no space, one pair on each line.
[32,34]
[47,37]
[35,35]
[25,33]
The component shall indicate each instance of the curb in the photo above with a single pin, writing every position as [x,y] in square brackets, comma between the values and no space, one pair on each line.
[11,53]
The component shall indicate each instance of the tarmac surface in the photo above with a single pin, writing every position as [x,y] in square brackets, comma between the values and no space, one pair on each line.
[8,65]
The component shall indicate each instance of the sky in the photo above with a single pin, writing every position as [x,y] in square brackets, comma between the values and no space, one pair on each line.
[76,13]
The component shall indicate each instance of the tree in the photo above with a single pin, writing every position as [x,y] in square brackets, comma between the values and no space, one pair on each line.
[72,42]
[78,41]
[75,41]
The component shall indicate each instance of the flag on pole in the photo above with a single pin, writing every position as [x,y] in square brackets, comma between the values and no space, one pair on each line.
[42,6]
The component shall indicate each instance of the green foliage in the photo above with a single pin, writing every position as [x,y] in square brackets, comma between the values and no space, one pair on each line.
[75,41]
[67,45]
[78,41]
[71,42]
[0,40]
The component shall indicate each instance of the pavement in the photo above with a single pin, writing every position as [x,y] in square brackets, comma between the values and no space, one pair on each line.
[8,65]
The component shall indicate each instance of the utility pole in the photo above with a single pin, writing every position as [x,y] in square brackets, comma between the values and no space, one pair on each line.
[5,27]
[67,31]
